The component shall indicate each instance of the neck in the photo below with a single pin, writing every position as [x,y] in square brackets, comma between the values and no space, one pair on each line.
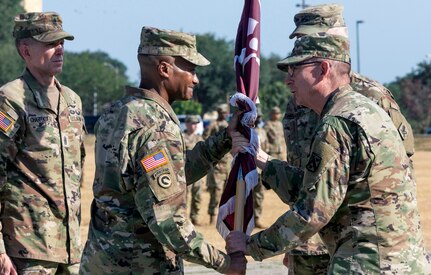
[43,80]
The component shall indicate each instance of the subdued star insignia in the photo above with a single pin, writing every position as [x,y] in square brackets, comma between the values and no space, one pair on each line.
[164,181]
[313,162]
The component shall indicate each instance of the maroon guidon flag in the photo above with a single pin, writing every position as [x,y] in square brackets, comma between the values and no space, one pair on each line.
[246,63]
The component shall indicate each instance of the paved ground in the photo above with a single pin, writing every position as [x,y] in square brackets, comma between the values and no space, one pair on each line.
[254,268]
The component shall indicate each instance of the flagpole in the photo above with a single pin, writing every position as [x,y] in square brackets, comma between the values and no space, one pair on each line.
[239,203]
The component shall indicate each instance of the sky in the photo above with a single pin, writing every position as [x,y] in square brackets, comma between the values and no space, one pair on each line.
[393,38]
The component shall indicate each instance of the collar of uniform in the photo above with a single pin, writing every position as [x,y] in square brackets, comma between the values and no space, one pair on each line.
[147,94]
[39,93]
[339,92]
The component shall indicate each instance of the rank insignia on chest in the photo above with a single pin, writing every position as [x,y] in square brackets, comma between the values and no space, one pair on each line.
[5,122]
[313,162]
[155,160]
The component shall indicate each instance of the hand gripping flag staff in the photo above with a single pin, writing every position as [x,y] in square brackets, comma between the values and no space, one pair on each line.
[236,203]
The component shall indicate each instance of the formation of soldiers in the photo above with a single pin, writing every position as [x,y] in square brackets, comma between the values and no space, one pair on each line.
[340,159]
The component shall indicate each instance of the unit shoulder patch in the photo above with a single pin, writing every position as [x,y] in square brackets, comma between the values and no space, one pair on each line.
[313,162]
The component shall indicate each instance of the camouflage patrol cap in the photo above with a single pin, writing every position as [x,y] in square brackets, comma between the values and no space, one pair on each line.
[42,26]
[275,110]
[319,18]
[325,46]
[166,42]
[192,119]
[222,108]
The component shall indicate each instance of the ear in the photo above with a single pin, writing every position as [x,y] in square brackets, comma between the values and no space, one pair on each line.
[24,50]
[163,68]
[325,67]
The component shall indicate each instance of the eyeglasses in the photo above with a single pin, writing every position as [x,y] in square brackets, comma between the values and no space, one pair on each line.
[291,68]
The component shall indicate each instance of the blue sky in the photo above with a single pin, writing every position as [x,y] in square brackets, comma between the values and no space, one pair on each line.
[394,37]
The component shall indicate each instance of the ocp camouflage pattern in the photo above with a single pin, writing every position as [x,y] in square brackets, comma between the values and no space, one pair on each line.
[42,155]
[357,192]
[138,219]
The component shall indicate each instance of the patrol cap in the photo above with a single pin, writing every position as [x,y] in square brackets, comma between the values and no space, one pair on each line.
[166,42]
[192,119]
[275,110]
[326,46]
[42,26]
[222,108]
[318,18]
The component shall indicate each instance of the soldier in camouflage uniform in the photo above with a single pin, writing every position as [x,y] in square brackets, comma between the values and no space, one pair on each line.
[357,189]
[42,154]
[139,221]
[217,177]
[274,132]
[195,189]
[258,191]
[299,124]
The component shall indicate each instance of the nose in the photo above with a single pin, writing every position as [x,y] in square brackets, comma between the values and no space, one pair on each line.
[195,79]
[288,79]
[59,49]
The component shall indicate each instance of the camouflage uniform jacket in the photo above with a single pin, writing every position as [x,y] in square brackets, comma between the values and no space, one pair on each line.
[138,215]
[224,166]
[42,154]
[357,191]
[276,145]
[300,122]
[191,139]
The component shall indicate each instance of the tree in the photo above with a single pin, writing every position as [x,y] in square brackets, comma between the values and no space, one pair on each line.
[11,64]
[216,81]
[413,92]
[88,73]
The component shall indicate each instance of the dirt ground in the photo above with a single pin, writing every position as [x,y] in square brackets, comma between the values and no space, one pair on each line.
[273,207]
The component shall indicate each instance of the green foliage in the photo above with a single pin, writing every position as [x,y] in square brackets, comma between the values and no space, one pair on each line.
[90,72]
[11,64]
[9,9]
[216,81]
[413,93]
[190,107]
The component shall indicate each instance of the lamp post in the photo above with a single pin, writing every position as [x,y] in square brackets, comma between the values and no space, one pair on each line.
[303,5]
[357,43]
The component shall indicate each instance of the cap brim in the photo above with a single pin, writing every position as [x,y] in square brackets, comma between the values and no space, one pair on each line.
[53,36]
[197,59]
[283,64]
[307,30]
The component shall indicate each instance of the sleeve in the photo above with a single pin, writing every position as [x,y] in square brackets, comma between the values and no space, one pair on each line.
[160,196]
[9,126]
[324,188]
[206,154]
[283,179]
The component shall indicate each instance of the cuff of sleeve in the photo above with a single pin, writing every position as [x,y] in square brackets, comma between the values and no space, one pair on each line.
[224,265]
[253,249]
[2,247]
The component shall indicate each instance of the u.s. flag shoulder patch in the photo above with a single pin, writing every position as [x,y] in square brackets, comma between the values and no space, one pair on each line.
[154,160]
[5,122]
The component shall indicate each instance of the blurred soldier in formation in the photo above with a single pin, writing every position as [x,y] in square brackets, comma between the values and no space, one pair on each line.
[139,220]
[300,123]
[258,191]
[217,177]
[41,156]
[193,190]
[274,132]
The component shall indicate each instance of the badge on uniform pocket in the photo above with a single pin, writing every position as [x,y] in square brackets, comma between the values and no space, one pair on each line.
[164,181]
[313,162]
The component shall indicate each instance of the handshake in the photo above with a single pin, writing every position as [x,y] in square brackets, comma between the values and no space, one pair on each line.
[236,248]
